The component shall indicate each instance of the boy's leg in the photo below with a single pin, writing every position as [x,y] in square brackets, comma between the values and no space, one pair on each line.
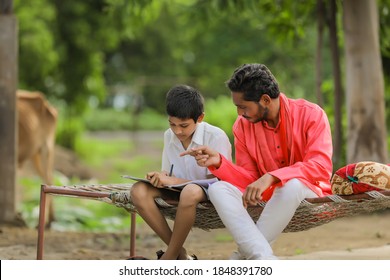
[281,208]
[143,195]
[190,196]
[227,200]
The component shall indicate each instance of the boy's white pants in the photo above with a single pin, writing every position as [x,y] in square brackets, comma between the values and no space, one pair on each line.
[253,239]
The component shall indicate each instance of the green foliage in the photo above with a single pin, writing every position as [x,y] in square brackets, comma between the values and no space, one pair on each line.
[63,46]
[130,16]
[72,214]
[69,129]
[182,45]
[151,120]
[111,120]
[223,238]
[75,50]
[96,152]
[107,151]
[222,113]
[384,23]
[141,164]
[153,45]
[108,119]
[38,57]
[84,214]
[84,33]
[327,89]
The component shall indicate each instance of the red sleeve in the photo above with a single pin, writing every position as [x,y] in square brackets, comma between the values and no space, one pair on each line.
[245,171]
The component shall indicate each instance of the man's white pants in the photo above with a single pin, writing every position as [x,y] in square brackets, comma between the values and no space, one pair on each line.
[253,239]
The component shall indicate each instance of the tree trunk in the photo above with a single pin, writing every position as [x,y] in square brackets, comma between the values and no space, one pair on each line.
[320,29]
[338,90]
[367,135]
[8,115]
[6,7]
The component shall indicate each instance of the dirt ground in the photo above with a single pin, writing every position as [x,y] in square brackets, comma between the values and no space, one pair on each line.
[357,237]
[361,237]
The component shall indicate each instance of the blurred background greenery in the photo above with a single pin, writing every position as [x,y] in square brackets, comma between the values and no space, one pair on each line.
[107,64]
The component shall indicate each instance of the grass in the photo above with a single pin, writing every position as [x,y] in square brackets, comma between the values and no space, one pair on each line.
[299,251]
[109,155]
[223,238]
[96,151]
[73,214]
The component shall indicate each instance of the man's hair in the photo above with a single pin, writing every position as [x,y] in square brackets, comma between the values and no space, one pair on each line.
[184,102]
[253,80]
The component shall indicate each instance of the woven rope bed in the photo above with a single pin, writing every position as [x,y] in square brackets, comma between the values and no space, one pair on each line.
[310,213]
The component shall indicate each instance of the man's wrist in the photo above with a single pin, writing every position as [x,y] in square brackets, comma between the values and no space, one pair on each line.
[273,180]
[218,165]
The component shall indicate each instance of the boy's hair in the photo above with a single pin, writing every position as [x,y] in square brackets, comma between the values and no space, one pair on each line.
[253,80]
[184,102]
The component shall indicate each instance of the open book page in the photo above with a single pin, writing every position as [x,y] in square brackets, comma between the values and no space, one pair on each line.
[202,182]
[136,178]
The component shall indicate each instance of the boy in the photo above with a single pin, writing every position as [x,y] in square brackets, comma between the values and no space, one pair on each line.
[184,106]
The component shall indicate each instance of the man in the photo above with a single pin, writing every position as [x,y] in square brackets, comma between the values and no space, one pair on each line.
[283,155]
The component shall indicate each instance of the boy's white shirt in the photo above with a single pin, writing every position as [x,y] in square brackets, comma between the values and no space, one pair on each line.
[186,167]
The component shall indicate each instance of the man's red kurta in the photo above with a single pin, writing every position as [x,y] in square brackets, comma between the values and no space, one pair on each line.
[303,132]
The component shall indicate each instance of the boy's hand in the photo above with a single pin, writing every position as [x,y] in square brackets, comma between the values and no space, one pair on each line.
[158,179]
[204,156]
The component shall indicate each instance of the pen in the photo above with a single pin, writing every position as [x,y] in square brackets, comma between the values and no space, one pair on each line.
[170,172]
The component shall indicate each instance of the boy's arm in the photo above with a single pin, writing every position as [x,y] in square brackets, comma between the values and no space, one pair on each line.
[165,164]
[162,179]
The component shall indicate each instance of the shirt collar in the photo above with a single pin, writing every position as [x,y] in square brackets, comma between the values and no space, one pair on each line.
[197,138]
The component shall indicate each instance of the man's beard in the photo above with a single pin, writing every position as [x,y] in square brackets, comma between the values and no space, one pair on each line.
[263,117]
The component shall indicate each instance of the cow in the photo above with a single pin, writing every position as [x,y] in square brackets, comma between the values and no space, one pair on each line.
[37,122]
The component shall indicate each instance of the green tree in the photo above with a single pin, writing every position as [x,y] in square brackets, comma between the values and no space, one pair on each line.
[38,57]
[63,46]
[292,15]
[183,46]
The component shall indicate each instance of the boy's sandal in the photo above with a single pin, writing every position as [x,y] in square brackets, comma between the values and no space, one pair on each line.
[137,258]
[193,257]
[159,254]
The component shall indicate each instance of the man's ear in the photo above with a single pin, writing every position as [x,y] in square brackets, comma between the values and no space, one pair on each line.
[200,118]
[265,99]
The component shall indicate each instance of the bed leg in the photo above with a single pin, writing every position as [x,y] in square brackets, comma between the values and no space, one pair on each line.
[41,223]
[132,233]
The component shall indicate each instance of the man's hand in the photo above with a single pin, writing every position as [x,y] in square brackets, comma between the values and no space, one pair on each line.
[204,156]
[253,192]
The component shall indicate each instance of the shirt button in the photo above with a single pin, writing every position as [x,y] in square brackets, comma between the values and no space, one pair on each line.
[282,161]
[278,147]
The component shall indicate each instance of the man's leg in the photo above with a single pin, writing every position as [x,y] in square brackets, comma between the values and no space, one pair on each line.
[227,200]
[281,208]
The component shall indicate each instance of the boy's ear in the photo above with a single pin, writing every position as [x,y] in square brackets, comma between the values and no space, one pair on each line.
[200,119]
